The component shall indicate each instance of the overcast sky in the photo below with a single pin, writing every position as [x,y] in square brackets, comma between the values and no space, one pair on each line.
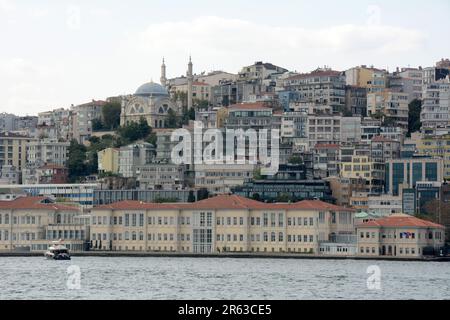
[57,53]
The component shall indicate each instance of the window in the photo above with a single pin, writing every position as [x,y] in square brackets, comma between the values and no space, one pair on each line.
[241,221]
[141,220]
[280,237]
[265,219]
[272,237]
[133,220]
[280,220]
[127,221]
[265,237]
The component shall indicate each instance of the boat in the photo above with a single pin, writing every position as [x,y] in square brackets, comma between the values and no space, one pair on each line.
[57,251]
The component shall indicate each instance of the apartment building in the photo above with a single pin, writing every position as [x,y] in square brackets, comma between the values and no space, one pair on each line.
[391,105]
[13,149]
[47,151]
[82,117]
[31,223]
[401,236]
[436,105]
[108,160]
[437,146]
[226,223]
[322,87]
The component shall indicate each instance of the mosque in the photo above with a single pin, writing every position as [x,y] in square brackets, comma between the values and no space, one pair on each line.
[152,101]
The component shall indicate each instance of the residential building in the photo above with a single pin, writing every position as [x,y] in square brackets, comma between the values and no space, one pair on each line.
[132,156]
[437,146]
[356,101]
[391,105]
[160,176]
[82,117]
[117,195]
[46,174]
[220,178]
[326,160]
[436,105]
[9,175]
[108,160]
[322,87]
[13,149]
[47,151]
[384,205]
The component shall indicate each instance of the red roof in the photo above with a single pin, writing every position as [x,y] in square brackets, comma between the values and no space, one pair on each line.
[400,221]
[34,203]
[249,106]
[231,202]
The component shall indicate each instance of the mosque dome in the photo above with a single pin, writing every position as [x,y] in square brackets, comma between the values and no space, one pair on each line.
[151,89]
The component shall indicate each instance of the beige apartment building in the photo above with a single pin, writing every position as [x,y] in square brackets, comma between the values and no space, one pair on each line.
[225,223]
[399,235]
[31,223]
[13,149]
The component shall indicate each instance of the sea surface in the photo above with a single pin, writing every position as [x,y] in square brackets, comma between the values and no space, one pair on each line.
[220,278]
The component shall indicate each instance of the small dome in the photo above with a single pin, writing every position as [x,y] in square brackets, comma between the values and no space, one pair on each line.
[151,89]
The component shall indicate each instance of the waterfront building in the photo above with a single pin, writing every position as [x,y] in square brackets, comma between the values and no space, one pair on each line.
[225,223]
[31,223]
[400,235]
[47,151]
[405,173]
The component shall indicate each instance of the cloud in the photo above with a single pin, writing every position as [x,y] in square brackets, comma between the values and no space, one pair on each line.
[220,40]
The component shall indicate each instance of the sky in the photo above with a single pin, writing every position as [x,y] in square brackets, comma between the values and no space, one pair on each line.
[55,53]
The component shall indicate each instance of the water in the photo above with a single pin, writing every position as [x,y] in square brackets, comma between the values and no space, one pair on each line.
[215,278]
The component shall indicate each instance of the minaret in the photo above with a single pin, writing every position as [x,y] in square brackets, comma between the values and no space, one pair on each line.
[163,79]
[190,78]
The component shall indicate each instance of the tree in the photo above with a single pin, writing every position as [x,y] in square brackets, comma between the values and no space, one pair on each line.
[414,124]
[77,161]
[295,160]
[111,115]
[152,138]
[134,131]
[173,120]
[97,125]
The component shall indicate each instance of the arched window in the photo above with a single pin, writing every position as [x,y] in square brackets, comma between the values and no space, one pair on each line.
[133,236]
[141,236]
[161,110]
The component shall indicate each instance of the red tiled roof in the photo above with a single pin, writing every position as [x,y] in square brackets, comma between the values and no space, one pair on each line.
[399,221]
[34,203]
[231,202]
[249,106]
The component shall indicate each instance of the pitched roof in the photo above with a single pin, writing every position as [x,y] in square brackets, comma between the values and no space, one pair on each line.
[34,203]
[231,202]
[399,221]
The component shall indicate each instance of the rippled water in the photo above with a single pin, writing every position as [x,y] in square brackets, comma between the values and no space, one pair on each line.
[220,278]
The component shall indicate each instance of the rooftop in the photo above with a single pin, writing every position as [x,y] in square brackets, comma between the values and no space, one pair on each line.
[35,203]
[399,220]
[231,202]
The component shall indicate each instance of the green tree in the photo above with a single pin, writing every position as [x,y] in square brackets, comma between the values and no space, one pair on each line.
[111,115]
[76,162]
[173,120]
[97,125]
[295,160]
[414,124]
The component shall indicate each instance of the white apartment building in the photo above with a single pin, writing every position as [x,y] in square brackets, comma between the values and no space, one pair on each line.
[47,151]
[391,104]
[220,178]
[436,105]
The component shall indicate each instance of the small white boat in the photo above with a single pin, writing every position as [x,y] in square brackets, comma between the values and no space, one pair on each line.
[57,251]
